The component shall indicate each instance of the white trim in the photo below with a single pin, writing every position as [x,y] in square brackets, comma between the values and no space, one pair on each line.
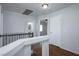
[14,47]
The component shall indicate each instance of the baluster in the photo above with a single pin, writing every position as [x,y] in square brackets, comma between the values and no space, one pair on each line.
[11,38]
[26,36]
[15,37]
[8,39]
[3,40]
[32,34]
[19,36]
[22,36]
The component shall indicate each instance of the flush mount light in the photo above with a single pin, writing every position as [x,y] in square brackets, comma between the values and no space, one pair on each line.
[45,6]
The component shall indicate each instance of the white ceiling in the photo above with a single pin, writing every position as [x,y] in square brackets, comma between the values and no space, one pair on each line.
[36,7]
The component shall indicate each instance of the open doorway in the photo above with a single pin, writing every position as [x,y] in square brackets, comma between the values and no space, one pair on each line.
[43,31]
[43,27]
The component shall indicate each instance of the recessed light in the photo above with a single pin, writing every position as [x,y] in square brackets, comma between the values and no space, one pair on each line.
[45,6]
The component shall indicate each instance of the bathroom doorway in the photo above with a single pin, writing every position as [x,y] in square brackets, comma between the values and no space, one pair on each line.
[43,27]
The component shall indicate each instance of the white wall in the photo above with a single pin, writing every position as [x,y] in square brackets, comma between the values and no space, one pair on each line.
[16,23]
[1,24]
[68,28]
[70,34]
[55,29]
[64,28]
[37,29]
[1,20]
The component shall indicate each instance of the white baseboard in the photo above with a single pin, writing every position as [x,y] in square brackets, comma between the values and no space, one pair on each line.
[76,52]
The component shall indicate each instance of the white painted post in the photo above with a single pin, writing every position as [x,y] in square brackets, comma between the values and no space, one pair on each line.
[45,48]
[27,50]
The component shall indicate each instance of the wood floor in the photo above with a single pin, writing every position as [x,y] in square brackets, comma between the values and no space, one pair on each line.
[53,51]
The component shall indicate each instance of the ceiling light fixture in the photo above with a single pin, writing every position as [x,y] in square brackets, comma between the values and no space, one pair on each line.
[45,6]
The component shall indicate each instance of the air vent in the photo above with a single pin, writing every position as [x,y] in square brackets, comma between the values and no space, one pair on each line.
[27,12]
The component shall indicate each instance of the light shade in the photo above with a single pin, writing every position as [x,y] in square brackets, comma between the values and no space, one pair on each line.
[45,6]
[29,23]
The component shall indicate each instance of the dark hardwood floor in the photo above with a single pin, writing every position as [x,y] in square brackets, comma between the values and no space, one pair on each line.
[53,51]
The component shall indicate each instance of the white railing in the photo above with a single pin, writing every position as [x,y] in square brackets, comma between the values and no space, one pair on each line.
[9,38]
[23,47]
